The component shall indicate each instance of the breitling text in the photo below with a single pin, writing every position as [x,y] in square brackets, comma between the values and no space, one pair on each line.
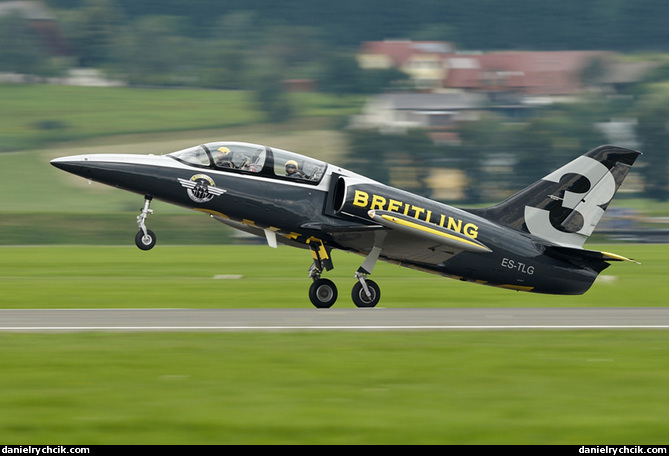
[377,202]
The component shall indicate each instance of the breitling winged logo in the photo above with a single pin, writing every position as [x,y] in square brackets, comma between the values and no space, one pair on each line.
[201,188]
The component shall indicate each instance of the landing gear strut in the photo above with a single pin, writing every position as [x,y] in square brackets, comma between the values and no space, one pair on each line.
[145,239]
[322,292]
[366,293]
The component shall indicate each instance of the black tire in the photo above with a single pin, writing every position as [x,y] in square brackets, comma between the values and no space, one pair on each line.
[360,298]
[145,242]
[323,293]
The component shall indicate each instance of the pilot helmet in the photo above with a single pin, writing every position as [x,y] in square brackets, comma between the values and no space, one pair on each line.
[291,164]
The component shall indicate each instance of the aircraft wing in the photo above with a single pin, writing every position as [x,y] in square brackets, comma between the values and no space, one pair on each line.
[426,231]
[405,239]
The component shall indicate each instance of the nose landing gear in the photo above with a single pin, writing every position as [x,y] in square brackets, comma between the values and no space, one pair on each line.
[145,239]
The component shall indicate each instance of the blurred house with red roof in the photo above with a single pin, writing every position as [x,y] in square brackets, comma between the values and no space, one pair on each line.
[530,73]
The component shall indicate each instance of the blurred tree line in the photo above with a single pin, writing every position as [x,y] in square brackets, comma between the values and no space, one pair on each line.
[473,24]
[233,50]
[164,46]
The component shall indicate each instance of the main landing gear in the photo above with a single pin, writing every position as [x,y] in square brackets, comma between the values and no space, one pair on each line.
[323,292]
[145,239]
[365,293]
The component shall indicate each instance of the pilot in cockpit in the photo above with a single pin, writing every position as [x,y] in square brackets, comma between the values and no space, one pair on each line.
[224,158]
[292,171]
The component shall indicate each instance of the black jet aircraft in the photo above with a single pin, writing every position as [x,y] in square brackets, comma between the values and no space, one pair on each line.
[532,241]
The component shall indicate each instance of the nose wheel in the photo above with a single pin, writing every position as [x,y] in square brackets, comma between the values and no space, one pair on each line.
[145,239]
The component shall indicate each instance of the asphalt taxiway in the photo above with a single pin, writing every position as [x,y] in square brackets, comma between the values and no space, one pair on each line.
[352,319]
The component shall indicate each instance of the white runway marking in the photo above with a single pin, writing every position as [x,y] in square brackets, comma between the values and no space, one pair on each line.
[311,328]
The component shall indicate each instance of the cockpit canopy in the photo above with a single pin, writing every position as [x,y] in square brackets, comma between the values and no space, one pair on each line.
[248,158]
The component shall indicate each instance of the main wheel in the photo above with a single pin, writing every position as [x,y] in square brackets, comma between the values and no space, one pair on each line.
[323,293]
[145,242]
[360,297]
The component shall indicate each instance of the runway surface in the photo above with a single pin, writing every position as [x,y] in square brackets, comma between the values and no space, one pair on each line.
[378,319]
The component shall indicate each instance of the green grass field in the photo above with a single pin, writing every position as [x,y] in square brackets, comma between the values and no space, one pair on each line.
[33,116]
[178,277]
[507,387]
[472,387]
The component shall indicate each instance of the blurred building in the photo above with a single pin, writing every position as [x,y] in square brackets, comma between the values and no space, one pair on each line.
[423,61]
[521,75]
[525,73]
[400,112]
[39,17]
[452,87]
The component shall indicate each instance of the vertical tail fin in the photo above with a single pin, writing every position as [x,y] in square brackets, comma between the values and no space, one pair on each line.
[565,206]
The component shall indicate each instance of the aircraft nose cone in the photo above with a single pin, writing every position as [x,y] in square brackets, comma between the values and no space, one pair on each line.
[60,163]
[70,164]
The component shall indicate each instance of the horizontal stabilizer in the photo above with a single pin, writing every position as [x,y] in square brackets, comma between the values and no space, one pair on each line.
[427,230]
[583,256]
[615,257]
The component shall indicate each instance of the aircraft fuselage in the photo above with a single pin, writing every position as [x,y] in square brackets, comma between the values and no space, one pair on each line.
[335,210]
